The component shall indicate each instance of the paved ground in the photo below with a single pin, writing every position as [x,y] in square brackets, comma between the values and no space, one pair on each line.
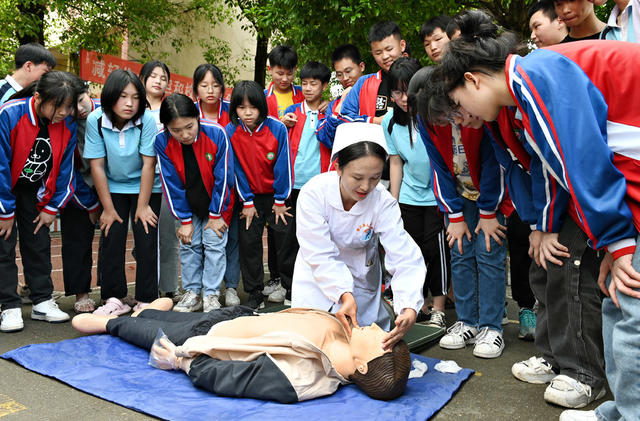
[491,394]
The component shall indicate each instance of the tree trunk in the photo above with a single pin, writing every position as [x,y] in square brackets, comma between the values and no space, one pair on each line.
[35,11]
[260,62]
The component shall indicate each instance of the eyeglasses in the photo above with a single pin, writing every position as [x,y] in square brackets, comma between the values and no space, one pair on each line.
[398,94]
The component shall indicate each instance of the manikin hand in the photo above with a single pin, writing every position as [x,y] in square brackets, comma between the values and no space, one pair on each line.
[162,354]
[404,322]
[347,314]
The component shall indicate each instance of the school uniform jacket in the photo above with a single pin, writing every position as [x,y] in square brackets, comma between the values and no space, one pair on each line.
[486,174]
[223,112]
[84,197]
[326,131]
[579,104]
[18,132]
[339,252]
[262,160]
[295,133]
[213,155]
[360,102]
[272,99]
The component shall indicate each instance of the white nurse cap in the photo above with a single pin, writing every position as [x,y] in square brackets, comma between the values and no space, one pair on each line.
[349,133]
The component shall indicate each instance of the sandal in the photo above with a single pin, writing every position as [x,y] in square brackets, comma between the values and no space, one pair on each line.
[85,305]
[113,307]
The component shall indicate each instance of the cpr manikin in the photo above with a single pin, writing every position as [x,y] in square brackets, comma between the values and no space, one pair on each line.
[289,356]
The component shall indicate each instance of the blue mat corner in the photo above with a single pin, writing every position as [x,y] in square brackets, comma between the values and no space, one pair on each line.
[114,370]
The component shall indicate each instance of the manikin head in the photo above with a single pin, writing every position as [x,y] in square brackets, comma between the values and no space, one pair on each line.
[380,374]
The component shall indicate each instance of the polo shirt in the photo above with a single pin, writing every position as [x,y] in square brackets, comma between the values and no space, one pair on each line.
[8,87]
[307,164]
[123,150]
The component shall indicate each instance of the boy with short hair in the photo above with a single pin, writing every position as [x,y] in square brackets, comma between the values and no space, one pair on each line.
[281,92]
[309,157]
[369,97]
[32,61]
[434,36]
[546,28]
[349,67]
[580,18]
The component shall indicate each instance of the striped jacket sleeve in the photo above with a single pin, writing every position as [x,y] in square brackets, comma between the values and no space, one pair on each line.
[350,109]
[84,197]
[172,185]
[65,183]
[569,136]
[7,199]
[492,187]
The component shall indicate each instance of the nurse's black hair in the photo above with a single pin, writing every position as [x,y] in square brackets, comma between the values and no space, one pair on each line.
[360,150]
[55,87]
[177,106]
[201,72]
[482,47]
[254,94]
[113,87]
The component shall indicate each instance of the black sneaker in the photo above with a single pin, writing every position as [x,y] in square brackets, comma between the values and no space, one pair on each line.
[256,300]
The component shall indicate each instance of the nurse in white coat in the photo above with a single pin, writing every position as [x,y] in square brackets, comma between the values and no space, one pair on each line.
[341,216]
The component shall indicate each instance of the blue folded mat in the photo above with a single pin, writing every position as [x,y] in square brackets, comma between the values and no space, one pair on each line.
[117,371]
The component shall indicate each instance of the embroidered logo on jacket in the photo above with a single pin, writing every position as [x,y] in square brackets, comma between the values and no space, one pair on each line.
[270,156]
[365,230]
[208,156]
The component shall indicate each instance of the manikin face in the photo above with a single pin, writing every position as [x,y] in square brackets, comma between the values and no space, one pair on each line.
[128,103]
[366,344]
[546,32]
[184,129]
[157,82]
[387,51]
[48,110]
[248,113]
[358,178]
[347,71]
[209,91]
[84,105]
[573,12]
[312,89]
[282,78]
[435,44]
[477,98]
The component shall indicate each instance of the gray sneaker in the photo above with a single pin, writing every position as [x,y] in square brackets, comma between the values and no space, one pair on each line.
[270,286]
[190,302]
[211,303]
[278,295]
[231,297]
[535,370]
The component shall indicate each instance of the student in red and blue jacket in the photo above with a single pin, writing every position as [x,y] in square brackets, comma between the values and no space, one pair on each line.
[208,89]
[469,186]
[193,156]
[78,220]
[583,126]
[264,180]
[281,92]
[38,139]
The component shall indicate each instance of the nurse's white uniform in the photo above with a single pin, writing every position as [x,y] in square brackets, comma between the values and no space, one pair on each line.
[339,252]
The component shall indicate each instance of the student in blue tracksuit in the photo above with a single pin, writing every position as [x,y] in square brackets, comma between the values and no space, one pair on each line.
[194,162]
[38,139]
[119,144]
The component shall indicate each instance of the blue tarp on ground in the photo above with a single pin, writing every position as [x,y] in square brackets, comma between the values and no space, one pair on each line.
[114,370]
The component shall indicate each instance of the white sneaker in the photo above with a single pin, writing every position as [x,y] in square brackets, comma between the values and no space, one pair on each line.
[270,286]
[437,319]
[231,297]
[49,312]
[535,370]
[458,336]
[287,302]
[190,302]
[11,320]
[573,415]
[489,343]
[278,295]
[211,303]
[570,393]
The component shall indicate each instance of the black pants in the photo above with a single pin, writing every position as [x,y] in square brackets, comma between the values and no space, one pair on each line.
[424,224]
[569,318]
[77,233]
[142,330]
[251,246]
[111,275]
[518,242]
[35,250]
